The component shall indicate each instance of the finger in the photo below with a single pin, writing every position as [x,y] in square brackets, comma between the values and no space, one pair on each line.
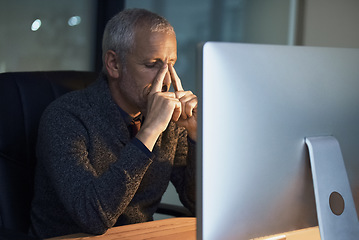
[176,81]
[158,81]
[168,95]
[183,111]
[190,106]
[180,94]
[176,112]
[189,102]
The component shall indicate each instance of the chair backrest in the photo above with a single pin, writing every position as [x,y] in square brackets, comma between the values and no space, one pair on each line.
[23,98]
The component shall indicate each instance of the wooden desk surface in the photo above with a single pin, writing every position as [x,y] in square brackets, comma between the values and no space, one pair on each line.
[311,233]
[176,229]
[172,228]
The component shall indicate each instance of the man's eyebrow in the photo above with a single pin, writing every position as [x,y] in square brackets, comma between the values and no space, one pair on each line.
[154,60]
[161,60]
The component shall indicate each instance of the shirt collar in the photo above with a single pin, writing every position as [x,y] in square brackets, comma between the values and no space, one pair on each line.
[127,118]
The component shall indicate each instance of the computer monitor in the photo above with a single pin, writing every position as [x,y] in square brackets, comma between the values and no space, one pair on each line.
[258,104]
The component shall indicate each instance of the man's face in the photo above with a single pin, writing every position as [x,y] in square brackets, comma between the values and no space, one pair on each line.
[150,52]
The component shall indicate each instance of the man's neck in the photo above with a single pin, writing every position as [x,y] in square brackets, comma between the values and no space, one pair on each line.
[121,101]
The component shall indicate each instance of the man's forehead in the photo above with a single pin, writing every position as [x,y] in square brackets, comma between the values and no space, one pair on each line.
[155,44]
[153,37]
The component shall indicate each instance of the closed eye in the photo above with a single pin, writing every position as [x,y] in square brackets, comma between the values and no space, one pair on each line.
[151,65]
[157,63]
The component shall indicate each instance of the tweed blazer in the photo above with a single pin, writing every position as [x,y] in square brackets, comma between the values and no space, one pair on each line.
[90,176]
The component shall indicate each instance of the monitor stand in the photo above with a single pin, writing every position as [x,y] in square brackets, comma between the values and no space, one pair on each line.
[336,212]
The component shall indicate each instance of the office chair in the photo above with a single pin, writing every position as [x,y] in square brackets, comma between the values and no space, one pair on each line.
[23,98]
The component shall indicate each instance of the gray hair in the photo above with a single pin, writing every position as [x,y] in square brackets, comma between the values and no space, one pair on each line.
[120,31]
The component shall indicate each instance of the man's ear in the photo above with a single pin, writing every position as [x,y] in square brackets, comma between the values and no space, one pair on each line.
[113,66]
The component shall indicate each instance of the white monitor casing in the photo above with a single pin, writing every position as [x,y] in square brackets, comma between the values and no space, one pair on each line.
[258,104]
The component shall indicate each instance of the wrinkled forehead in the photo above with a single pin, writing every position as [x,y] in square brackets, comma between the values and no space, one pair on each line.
[149,44]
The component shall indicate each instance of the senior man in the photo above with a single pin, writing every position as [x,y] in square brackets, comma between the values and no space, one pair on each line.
[96,168]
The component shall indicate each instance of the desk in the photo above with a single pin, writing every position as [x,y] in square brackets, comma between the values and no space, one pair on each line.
[172,228]
[176,229]
[311,233]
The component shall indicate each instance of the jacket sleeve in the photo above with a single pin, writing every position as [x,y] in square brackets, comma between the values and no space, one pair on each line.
[94,199]
[183,175]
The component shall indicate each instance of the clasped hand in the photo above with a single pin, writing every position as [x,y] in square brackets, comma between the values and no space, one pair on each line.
[162,107]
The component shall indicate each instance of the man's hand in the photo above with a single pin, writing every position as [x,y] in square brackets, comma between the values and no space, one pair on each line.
[162,107]
[188,118]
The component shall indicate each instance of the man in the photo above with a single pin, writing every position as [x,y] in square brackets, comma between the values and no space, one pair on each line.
[93,172]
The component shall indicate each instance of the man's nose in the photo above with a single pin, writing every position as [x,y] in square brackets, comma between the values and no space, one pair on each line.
[166,82]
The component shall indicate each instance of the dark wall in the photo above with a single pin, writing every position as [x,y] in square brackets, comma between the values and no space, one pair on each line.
[106,9]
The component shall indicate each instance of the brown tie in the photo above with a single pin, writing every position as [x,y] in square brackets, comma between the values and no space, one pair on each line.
[135,127]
